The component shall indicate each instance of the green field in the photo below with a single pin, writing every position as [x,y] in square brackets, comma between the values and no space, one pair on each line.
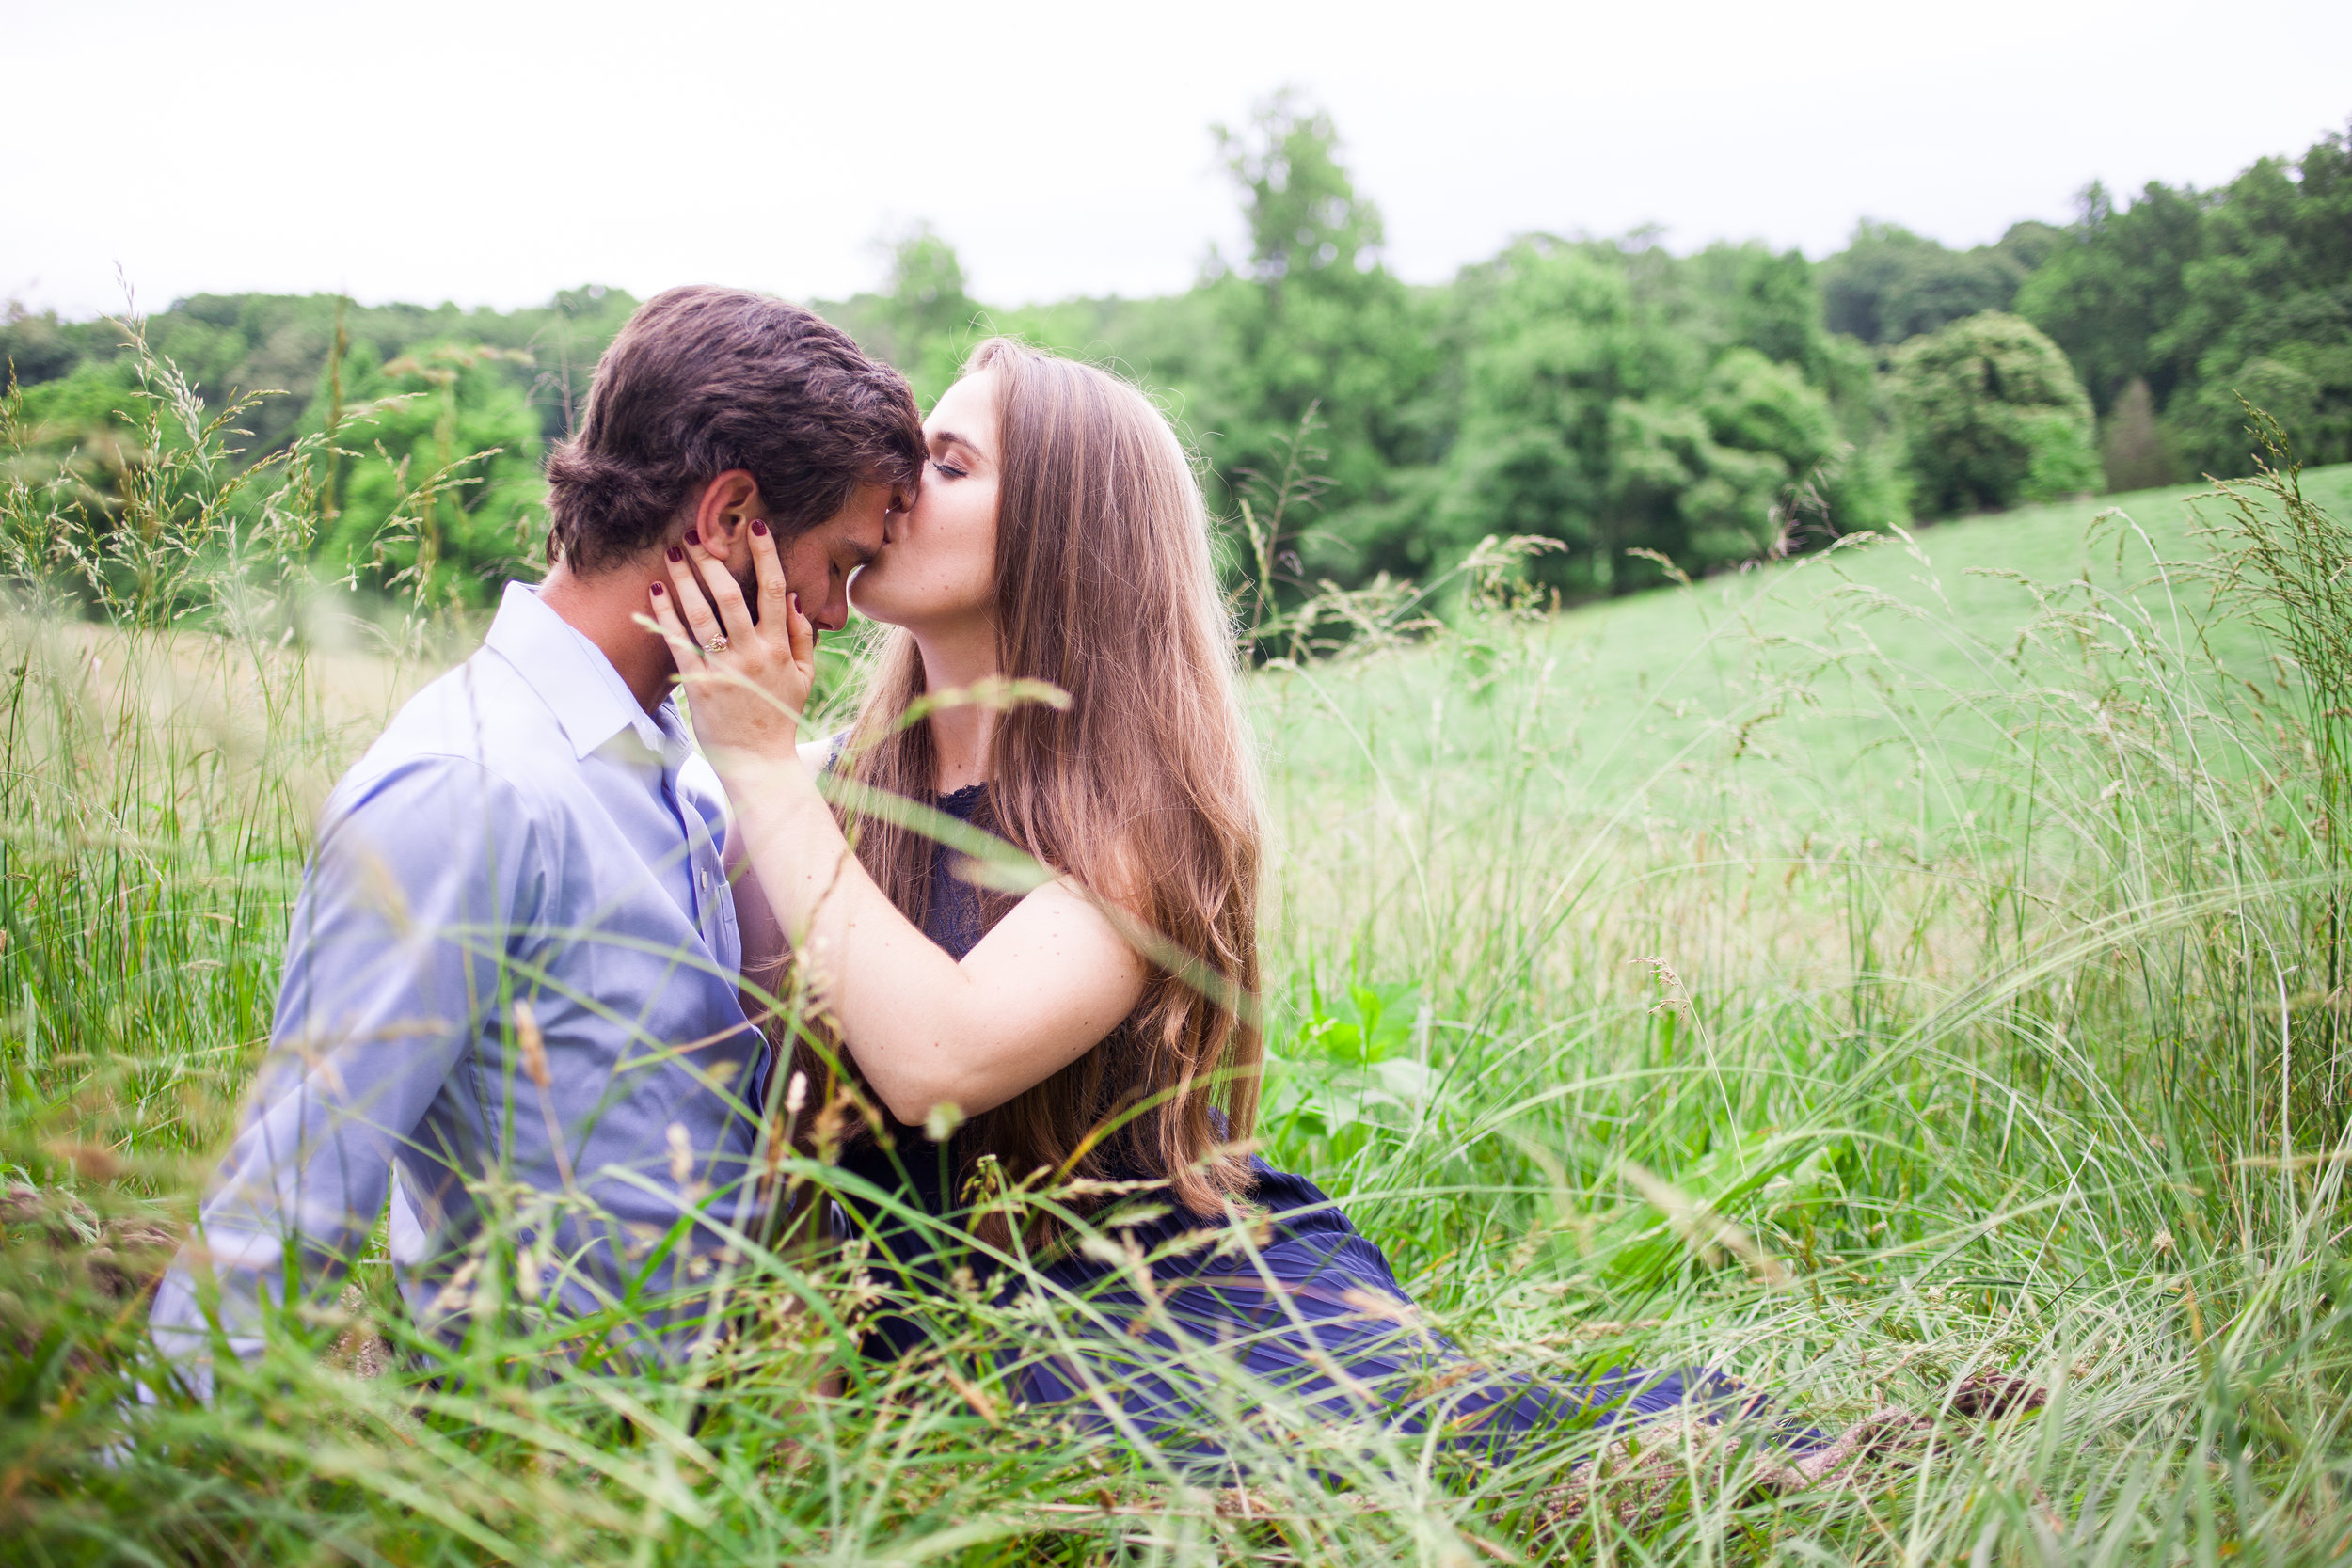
[1639,679]
[1855,976]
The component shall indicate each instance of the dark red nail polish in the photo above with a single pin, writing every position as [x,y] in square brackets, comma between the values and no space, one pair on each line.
[760,526]
[657,591]
[676,554]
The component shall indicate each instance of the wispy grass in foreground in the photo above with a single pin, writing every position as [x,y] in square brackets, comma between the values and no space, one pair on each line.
[1875,996]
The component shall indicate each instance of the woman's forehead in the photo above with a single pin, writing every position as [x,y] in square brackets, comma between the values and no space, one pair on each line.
[966,411]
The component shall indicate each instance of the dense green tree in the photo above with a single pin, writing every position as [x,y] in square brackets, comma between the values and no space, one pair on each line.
[925,321]
[233,345]
[1616,399]
[565,338]
[1889,284]
[1314,321]
[2268,309]
[1708,484]
[2209,297]
[2135,453]
[1994,416]
[35,348]
[442,496]
[1556,339]
[1751,296]
[2107,292]
[474,396]
[86,420]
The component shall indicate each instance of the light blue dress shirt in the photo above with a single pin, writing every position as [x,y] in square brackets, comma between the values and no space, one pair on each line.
[523,830]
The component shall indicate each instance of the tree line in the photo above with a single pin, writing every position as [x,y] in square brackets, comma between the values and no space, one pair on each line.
[1647,411]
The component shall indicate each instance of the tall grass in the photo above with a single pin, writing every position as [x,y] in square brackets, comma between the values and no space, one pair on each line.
[1850,1020]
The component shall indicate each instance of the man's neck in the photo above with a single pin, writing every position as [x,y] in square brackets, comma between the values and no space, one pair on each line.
[602,607]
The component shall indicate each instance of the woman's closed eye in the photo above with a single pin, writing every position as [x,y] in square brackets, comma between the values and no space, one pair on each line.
[946,470]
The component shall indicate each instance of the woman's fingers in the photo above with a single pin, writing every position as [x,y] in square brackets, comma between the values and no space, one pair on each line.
[776,593]
[704,616]
[802,629]
[778,605]
[735,616]
[686,588]
[751,678]
[683,648]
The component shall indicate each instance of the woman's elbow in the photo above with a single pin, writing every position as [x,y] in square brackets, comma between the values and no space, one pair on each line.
[926,1100]
[920,1100]
[908,1106]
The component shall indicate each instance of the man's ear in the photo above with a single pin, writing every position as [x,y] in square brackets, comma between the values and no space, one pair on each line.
[729,504]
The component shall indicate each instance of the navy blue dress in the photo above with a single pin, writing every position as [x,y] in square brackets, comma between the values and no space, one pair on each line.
[1316,1311]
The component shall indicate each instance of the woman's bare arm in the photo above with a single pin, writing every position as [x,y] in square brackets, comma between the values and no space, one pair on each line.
[765,948]
[1040,991]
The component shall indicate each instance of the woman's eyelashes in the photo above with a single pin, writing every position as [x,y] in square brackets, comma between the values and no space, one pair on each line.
[946,470]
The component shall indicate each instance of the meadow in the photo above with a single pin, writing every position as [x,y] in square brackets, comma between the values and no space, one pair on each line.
[1914,961]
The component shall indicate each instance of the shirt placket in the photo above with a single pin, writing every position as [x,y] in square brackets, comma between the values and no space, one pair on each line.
[703,871]
[708,880]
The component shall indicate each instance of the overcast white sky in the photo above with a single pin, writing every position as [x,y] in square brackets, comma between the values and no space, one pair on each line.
[492,152]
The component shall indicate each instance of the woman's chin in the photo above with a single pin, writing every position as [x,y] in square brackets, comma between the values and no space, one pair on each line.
[883,612]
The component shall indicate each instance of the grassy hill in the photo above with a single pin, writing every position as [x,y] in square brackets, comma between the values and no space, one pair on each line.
[1891,691]
[1667,678]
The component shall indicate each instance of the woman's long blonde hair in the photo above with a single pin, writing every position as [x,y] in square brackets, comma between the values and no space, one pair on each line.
[1144,789]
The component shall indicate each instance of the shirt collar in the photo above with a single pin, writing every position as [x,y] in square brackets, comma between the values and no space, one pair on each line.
[577,682]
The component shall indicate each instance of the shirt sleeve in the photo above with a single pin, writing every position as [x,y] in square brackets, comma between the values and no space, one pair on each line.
[423,885]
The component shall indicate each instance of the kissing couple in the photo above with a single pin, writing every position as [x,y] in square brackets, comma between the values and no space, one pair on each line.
[530,1016]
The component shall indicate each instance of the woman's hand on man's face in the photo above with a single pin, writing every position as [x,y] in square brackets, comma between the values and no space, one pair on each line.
[749,679]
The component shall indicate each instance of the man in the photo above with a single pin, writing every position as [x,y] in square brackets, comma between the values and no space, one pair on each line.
[510,982]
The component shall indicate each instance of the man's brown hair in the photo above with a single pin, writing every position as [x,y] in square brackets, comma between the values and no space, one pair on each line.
[703,380]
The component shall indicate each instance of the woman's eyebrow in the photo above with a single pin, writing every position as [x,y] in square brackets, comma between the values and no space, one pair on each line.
[948,437]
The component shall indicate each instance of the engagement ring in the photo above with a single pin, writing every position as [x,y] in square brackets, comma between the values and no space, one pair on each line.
[716,646]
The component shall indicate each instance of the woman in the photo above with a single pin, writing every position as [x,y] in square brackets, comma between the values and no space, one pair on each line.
[1061,537]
